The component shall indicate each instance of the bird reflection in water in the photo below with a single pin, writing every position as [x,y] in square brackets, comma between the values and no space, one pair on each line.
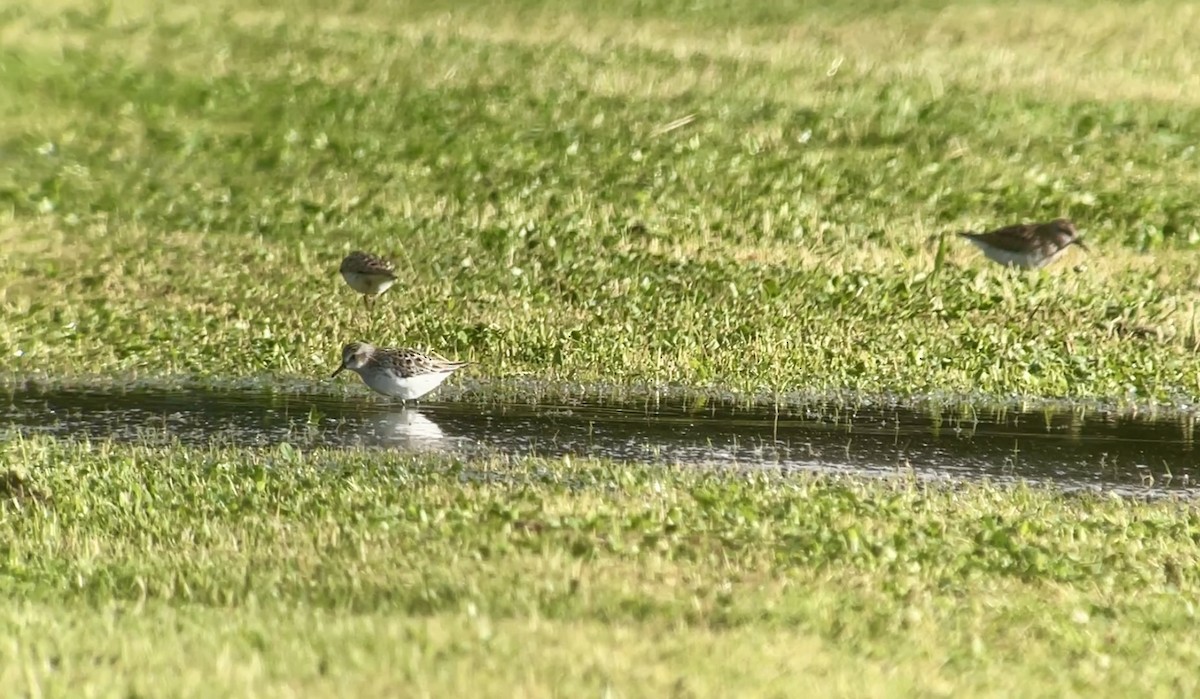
[407,428]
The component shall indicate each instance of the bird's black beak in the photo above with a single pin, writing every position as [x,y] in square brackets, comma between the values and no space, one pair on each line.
[1080,244]
[339,370]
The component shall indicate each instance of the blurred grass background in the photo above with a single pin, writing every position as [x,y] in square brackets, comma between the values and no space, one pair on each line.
[740,195]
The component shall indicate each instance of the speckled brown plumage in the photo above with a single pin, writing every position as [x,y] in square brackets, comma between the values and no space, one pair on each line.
[1027,245]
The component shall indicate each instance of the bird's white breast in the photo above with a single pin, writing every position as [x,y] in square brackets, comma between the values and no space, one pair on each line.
[365,283]
[410,388]
[1026,260]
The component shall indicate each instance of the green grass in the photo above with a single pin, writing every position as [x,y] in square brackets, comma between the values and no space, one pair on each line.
[372,573]
[178,186]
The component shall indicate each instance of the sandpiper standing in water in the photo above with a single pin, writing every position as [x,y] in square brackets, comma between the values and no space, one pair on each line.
[401,373]
[1027,245]
[369,275]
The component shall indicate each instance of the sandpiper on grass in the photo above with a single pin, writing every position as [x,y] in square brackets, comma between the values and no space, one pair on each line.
[1027,245]
[401,373]
[369,275]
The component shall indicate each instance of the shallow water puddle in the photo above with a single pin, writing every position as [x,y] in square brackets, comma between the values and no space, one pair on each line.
[1072,449]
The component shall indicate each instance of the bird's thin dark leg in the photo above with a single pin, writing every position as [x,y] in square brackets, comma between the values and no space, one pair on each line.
[366,308]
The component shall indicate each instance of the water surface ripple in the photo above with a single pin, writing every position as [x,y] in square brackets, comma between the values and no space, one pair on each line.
[1073,449]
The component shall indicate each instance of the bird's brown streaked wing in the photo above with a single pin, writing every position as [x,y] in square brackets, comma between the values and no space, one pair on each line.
[380,266]
[366,263]
[1015,238]
[410,362]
